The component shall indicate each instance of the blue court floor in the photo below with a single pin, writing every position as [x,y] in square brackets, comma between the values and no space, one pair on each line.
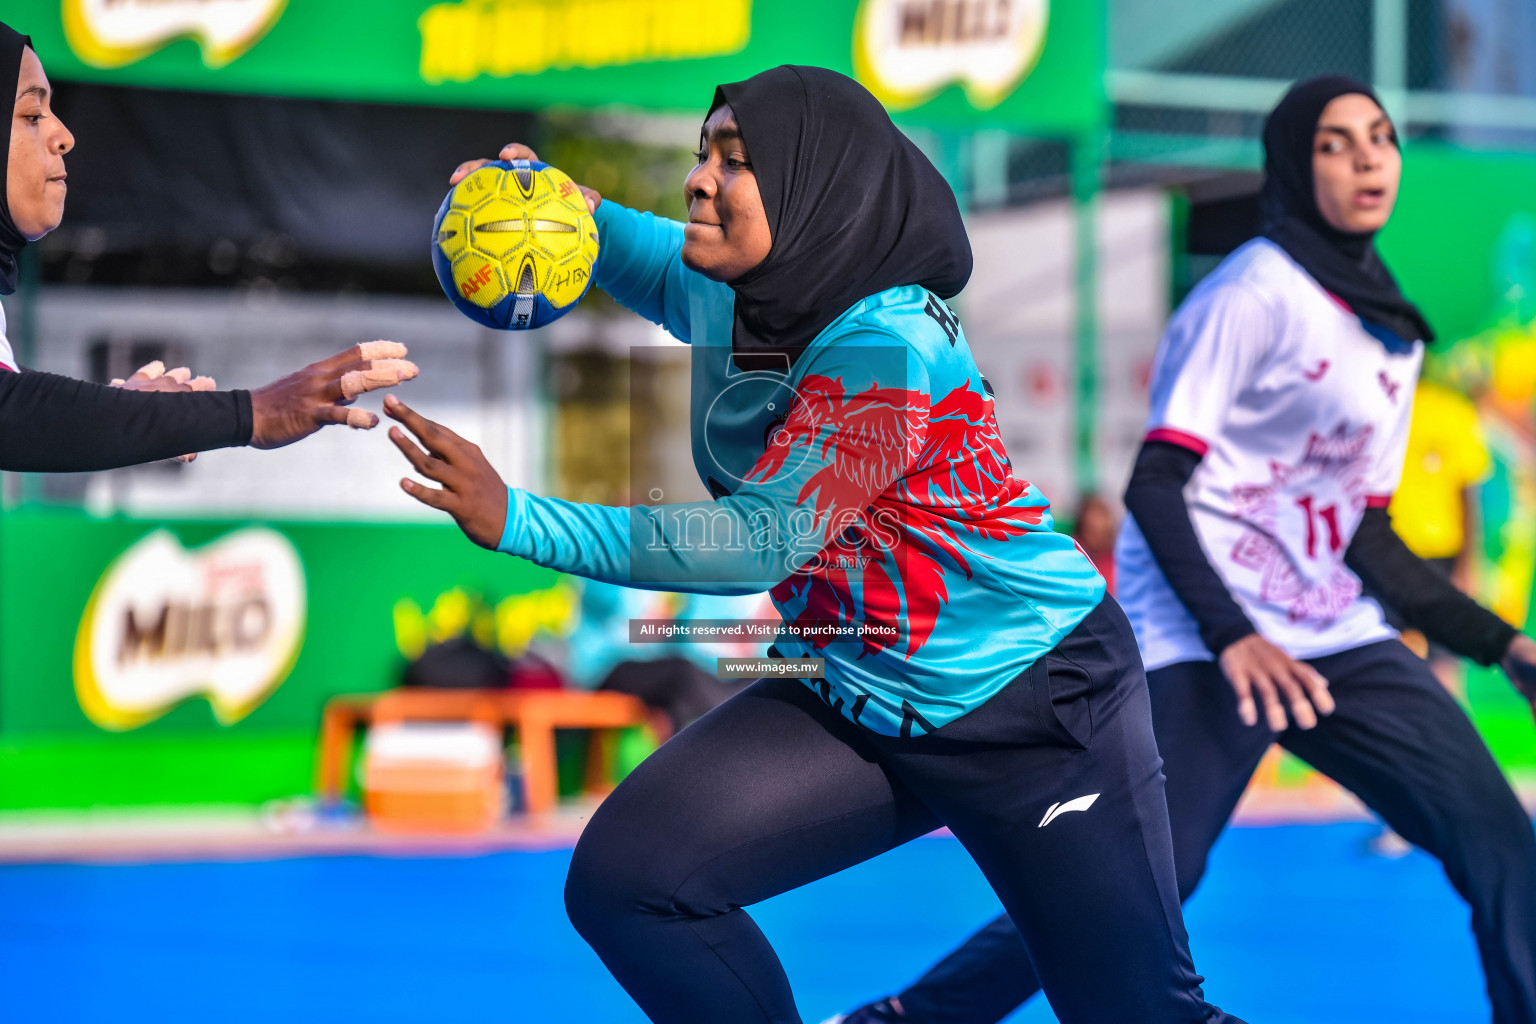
[1295,925]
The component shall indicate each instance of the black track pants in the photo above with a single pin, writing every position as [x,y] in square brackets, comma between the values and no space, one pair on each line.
[1397,740]
[773,789]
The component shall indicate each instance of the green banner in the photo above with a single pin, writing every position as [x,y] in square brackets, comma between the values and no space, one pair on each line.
[1455,240]
[1026,65]
[236,629]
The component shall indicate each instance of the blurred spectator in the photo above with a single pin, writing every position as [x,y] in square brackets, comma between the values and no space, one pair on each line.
[1497,370]
[676,678]
[1095,531]
[457,664]
[1434,511]
[1435,507]
[463,653]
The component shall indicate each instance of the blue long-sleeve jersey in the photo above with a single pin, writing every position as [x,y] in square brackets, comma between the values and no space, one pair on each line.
[865,487]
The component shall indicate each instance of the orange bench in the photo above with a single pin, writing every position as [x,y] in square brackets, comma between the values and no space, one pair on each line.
[533,714]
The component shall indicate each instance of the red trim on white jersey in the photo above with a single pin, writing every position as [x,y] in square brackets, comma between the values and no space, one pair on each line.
[1179,437]
[1378,500]
[1342,304]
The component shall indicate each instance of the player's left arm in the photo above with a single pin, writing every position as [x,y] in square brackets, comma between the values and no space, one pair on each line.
[848,437]
[1433,605]
[54,424]
[1427,600]
[640,265]
[153,376]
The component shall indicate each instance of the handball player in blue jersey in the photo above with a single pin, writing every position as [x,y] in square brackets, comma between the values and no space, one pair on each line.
[1281,397]
[849,442]
[54,424]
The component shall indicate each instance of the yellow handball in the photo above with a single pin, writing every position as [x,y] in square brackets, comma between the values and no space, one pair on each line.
[514,245]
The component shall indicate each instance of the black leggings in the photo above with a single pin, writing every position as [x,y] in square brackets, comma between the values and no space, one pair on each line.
[1397,740]
[773,790]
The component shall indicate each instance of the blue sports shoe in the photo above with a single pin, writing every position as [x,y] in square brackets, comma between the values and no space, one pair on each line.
[882,1012]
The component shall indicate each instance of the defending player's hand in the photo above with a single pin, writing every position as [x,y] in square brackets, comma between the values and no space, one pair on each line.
[518,151]
[1519,664]
[472,490]
[318,395]
[1261,672]
[153,376]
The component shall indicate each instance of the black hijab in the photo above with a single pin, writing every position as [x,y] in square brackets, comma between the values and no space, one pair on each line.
[11,240]
[1344,263]
[853,206]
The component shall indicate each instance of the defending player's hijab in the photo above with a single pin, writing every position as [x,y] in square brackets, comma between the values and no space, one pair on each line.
[853,206]
[1345,263]
[11,241]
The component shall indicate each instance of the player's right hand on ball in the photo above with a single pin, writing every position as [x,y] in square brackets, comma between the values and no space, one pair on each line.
[518,151]
[303,402]
[1261,672]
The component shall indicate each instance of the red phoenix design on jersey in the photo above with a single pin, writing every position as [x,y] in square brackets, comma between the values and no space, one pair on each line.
[899,483]
[874,435]
[1300,522]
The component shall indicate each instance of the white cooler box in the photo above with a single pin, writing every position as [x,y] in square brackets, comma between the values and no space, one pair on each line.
[426,777]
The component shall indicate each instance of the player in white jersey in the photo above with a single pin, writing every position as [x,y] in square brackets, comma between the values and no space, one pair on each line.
[1281,396]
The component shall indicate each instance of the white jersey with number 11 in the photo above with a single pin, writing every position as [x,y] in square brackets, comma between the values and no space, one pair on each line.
[1300,413]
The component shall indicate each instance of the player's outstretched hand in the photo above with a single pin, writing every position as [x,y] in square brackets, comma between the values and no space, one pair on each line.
[154,376]
[1260,671]
[518,151]
[303,402]
[472,490]
[1519,664]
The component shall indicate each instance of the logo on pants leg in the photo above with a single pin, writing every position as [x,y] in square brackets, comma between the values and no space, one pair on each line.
[1055,811]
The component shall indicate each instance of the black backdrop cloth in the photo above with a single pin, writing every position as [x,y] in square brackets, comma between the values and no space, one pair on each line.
[355,183]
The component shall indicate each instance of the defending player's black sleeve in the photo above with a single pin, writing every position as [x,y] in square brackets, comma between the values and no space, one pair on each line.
[1425,599]
[1155,498]
[53,424]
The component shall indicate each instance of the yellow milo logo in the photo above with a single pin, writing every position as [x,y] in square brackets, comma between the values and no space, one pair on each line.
[461,41]
[111,33]
[164,624]
[906,51]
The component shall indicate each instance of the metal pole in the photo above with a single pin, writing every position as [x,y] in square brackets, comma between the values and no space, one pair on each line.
[24,342]
[1087,158]
[1389,56]
[1259,95]
[957,167]
[989,168]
